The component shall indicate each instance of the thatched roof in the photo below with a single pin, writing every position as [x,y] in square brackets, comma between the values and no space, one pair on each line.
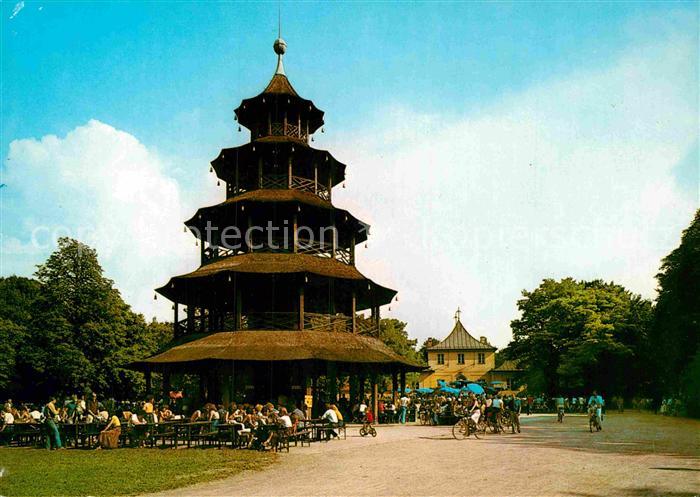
[314,212]
[280,346]
[210,276]
[278,93]
[274,147]
[460,339]
[278,263]
[280,84]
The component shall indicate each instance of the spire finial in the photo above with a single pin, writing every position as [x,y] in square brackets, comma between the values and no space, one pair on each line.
[458,314]
[280,46]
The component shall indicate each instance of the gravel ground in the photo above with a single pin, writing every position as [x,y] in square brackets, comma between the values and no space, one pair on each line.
[635,455]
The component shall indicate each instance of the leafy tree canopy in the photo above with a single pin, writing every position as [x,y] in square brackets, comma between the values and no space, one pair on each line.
[69,330]
[574,336]
[676,329]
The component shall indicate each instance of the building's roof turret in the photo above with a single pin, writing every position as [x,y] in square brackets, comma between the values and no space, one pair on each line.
[460,339]
[254,110]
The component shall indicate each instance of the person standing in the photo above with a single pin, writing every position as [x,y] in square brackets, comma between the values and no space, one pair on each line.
[403,403]
[53,437]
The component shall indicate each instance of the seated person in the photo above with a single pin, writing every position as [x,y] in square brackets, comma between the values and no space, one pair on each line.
[109,436]
[332,419]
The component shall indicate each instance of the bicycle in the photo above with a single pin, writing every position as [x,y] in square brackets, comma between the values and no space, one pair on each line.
[368,429]
[464,427]
[593,420]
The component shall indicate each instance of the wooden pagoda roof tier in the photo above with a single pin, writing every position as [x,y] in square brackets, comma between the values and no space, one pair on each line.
[278,94]
[246,157]
[258,345]
[215,274]
[314,211]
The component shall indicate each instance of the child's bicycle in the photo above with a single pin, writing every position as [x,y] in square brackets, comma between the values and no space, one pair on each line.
[368,429]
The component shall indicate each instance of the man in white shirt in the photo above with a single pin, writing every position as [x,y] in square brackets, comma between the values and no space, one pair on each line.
[284,418]
[403,402]
[332,419]
[7,417]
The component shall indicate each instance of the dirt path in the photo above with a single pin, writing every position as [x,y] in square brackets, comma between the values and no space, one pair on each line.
[635,456]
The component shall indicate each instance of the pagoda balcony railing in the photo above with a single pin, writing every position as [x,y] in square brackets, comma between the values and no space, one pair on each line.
[281,245]
[288,129]
[278,321]
[283,182]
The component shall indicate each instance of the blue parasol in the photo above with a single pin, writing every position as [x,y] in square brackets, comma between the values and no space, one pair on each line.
[475,388]
[424,390]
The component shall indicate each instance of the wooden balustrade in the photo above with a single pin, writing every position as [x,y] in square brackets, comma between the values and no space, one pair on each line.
[282,182]
[290,130]
[261,243]
[281,321]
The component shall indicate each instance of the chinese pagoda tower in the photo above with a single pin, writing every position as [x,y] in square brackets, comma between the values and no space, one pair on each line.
[274,305]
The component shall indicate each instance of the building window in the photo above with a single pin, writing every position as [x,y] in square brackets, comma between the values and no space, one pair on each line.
[441,358]
[460,358]
[481,357]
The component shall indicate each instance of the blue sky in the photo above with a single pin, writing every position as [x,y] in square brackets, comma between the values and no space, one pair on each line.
[408,89]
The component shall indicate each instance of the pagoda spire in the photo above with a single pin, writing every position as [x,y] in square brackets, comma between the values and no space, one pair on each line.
[280,46]
[458,314]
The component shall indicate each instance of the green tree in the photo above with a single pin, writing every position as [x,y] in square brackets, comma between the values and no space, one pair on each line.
[423,351]
[676,325]
[395,336]
[574,336]
[70,330]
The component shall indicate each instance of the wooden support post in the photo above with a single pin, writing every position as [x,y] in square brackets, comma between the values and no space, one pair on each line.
[176,320]
[190,318]
[375,397]
[403,382]
[332,382]
[166,386]
[315,178]
[378,321]
[299,125]
[269,124]
[352,248]
[361,387]
[147,377]
[335,241]
[330,185]
[301,305]
[295,234]
[260,172]
[353,311]
[394,387]
[289,172]
[239,308]
[250,233]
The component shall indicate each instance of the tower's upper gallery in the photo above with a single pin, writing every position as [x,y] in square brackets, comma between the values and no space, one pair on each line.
[279,111]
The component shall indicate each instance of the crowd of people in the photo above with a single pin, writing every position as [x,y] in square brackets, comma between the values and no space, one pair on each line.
[250,421]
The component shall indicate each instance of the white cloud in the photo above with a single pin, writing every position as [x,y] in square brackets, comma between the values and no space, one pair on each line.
[104,187]
[570,178]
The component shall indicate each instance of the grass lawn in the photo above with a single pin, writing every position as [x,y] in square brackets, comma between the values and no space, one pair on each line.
[37,472]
